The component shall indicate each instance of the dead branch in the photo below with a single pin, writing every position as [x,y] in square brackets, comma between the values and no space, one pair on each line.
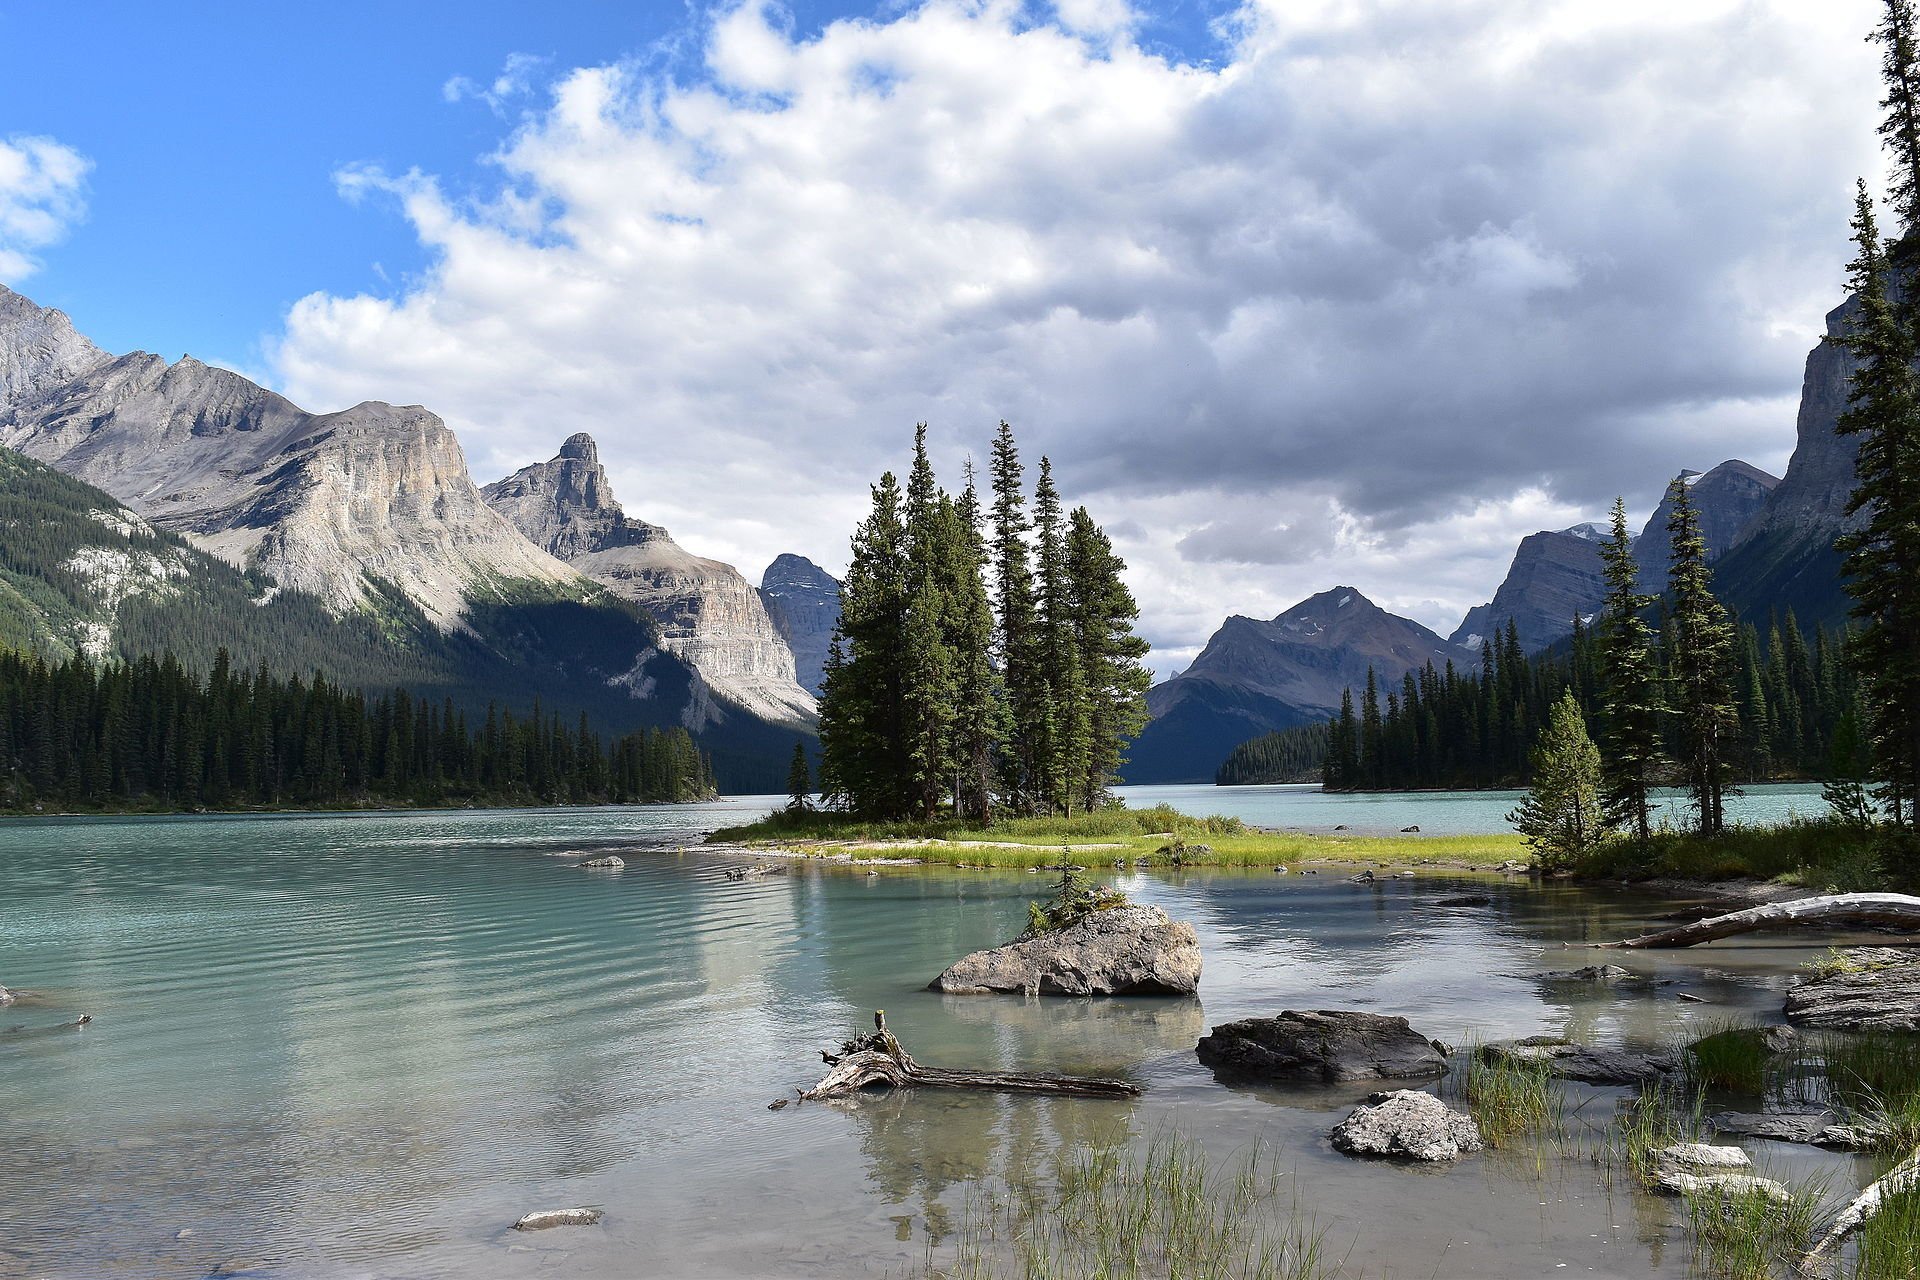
[1897,909]
[880,1060]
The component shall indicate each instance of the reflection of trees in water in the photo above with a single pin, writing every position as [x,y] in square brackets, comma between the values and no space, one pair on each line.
[930,1148]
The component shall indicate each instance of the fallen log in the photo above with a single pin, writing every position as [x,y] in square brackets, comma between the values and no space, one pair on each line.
[878,1059]
[1904,1176]
[1897,909]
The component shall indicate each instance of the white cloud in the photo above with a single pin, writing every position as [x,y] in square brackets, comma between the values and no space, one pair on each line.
[1378,280]
[514,80]
[42,185]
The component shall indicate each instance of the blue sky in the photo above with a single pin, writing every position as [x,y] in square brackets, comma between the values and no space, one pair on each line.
[215,132]
[1294,293]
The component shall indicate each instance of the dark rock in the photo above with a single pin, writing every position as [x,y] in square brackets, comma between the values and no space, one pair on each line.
[1126,951]
[1327,1045]
[1606,975]
[1569,1061]
[1883,999]
[1406,1124]
[1408,830]
[1365,877]
[1813,1128]
[1466,900]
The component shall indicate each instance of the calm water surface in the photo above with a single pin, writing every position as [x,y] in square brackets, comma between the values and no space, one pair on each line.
[361,1046]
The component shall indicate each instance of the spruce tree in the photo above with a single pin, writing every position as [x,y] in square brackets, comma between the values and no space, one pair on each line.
[1562,819]
[863,731]
[927,689]
[1699,637]
[1882,555]
[980,709]
[1631,688]
[1115,678]
[1900,124]
[1063,754]
[799,781]
[1018,637]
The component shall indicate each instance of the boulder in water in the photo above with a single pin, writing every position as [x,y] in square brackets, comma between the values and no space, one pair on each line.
[609,861]
[1407,1124]
[1885,997]
[1325,1045]
[542,1219]
[1694,1168]
[1122,951]
[1569,1061]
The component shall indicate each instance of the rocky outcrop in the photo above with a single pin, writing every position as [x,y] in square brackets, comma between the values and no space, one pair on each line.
[331,504]
[1568,1061]
[804,602]
[1258,676]
[1694,1168]
[1886,998]
[39,349]
[1726,500]
[1124,951]
[707,613]
[1326,1045]
[1407,1124]
[1554,577]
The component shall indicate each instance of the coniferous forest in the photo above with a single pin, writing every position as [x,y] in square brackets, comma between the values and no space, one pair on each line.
[985,661]
[148,734]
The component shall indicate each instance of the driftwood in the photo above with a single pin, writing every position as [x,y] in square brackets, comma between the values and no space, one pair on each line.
[1904,1176]
[878,1059]
[1898,909]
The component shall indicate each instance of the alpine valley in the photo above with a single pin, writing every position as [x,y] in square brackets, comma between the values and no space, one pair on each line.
[155,506]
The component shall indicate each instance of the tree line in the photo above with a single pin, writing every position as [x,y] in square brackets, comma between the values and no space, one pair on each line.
[985,662]
[148,733]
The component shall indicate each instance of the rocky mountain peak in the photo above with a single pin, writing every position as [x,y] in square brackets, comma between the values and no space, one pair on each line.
[1555,576]
[579,447]
[39,349]
[1726,497]
[804,602]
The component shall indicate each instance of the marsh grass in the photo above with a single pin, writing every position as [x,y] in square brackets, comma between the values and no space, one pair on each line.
[1870,1071]
[1888,1245]
[1751,1236]
[1511,1098]
[1123,1215]
[1657,1116]
[1731,1056]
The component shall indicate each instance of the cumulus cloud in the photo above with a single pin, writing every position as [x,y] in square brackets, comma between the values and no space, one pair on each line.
[1364,297]
[42,185]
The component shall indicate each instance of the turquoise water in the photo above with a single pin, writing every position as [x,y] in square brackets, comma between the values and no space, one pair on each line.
[354,1046]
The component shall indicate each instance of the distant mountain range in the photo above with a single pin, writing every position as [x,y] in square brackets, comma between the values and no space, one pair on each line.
[1770,541]
[363,545]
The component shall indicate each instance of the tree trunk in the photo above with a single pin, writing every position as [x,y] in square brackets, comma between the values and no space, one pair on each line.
[879,1059]
[1898,909]
[1904,1176]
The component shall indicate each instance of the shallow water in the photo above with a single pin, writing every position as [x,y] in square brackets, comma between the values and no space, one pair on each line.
[363,1045]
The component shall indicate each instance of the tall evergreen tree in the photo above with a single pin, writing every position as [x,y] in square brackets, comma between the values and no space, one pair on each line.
[1900,122]
[1115,678]
[1018,631]
[863,732]
[1631,688]
[980,707]
[927,685]
[1882,562]
[1699,637]
[799,781]
[1064,752]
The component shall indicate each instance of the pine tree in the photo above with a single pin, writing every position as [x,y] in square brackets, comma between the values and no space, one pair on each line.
[799,781]
[1116,679]
[1063,754]
[1631,689]
[1700,658]
[980,708]
[927,689]
[1562,819]
[1342,769]
[863,743]
[1018,647]
[1900,125]
[1882,555]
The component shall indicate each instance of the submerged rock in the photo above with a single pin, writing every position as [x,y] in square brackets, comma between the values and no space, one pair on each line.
[1466,900]
[1124,951]
[1327,1045]
[542,1219]
[609,861]
[1407,1124]
[1569,1061]
[1693,1168]
[1883,997]
[1813,1128]
[1606,975]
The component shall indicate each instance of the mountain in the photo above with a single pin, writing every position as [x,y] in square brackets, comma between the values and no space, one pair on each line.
[1784,559]
[1254,677]
[1554,576]
[804,602]
[39,349]
[1726,498]
[708,614]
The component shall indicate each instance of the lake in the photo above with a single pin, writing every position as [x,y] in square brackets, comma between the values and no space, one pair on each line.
[363,1045]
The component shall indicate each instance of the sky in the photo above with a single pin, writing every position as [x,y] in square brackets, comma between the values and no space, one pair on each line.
[1294,294]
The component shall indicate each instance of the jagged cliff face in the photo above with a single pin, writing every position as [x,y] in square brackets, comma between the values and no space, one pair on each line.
[1554,577]
[1254,677]
[1726,499]
[708,614]
[38,349]
[324,503]
[804,602]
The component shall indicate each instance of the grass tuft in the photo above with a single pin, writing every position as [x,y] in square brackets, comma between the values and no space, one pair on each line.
[1888,1245]
[1512,1098]
[1750,1235]
[1731,1056]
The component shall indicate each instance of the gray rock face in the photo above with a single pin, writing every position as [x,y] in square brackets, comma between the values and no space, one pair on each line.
[804,602]
[1569,1061]
[1128,951]
[321,502]
[39,349]
[1883,999]
[1327,1045]
[707,613]
[1407,1124]
[1554,576]
[1257,676]
[1726,500]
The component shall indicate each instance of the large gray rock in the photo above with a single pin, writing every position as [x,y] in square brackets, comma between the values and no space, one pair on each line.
[1326,1045]
[1812,1128]
[1409,1125]
[1695,1168]
[709,615]
[1568,1061]
[543,1219]
[1127,951]
[1880,999]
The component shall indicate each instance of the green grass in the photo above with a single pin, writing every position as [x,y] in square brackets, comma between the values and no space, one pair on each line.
[1730,1056]
[1888,1245]
[1511,1098]
[1751,1236]
[1819,853]
[1126,1216]
[1156,835]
